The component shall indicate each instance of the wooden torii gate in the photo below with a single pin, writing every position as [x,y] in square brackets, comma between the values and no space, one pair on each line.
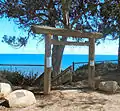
[66,33]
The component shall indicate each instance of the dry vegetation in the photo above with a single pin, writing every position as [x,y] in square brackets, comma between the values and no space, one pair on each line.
[77,96]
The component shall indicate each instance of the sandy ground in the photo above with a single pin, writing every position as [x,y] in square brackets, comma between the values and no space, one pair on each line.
[73,100]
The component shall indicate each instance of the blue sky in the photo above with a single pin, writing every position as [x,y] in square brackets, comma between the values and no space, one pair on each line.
[9,28]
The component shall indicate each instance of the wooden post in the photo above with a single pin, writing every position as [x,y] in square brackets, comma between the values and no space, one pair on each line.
[48,65]
[91,68]
[73,66]
[119,54]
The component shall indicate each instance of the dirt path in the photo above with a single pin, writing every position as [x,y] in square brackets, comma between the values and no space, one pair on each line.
[73,100]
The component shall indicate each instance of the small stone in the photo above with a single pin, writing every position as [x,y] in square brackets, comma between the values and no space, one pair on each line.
[5,89]
[21,98]
[109,86]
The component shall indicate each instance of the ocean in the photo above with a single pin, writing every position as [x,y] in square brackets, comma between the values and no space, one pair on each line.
[38,59]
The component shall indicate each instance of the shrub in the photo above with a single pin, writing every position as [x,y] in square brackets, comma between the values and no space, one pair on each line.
[18,77]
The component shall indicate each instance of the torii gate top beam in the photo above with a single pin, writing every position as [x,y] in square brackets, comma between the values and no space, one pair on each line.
[64,32]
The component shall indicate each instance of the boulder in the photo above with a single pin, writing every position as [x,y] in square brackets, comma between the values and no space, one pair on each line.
[21,98]
[109,86]
[5,89]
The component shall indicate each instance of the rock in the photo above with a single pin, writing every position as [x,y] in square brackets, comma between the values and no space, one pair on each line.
[97,81]
[109,86]
[21,98]
[5,89]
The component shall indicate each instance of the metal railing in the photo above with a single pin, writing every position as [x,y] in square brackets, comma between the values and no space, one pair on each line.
[83,63]
[25,68]
[20,65]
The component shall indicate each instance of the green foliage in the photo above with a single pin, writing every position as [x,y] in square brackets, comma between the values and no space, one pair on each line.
[14,77]
[88,15]
[29,78]
[82,15]
[18,78]
[100,69]
[110,14]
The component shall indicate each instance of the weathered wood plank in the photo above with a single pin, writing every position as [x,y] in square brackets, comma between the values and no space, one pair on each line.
[91,68]
[48,65]
[64,32]
[55,42]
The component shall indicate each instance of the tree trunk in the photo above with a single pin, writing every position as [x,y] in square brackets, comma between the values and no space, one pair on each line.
[119,54]
[57,53]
